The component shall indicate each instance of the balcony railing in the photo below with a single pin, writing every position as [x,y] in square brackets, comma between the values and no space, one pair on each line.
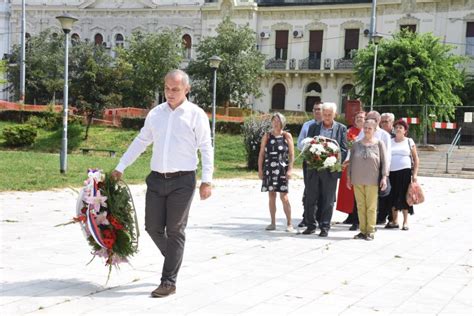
[275,64]
[344,63]
[308,63]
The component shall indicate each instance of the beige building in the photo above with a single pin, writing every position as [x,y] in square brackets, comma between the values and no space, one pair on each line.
[309,44]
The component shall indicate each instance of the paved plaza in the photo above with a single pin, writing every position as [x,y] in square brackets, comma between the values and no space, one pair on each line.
[233,266]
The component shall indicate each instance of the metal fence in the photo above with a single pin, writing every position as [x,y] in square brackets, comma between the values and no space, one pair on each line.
[423,132]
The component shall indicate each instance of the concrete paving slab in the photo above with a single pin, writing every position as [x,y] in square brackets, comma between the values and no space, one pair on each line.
[233,266]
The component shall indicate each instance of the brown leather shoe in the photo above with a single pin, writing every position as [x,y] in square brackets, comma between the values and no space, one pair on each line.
[165,289]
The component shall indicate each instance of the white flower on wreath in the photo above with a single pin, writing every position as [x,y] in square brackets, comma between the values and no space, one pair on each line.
[317,149]
[333,147]
[330,162]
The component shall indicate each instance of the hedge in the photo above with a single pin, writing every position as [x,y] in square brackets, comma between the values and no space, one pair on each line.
[225,127]
[24,116]
[132,122]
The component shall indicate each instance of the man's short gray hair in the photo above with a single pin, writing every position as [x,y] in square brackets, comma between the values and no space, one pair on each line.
[371,122]
[281,117]
[329,106]
[390,116]
[373,115]
[178,72]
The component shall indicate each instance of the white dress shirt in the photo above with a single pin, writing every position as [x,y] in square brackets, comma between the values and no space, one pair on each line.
[176,136]
[304,133]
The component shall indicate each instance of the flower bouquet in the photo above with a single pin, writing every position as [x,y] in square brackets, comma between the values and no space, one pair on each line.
[106,214]
[351,138]
[322,153]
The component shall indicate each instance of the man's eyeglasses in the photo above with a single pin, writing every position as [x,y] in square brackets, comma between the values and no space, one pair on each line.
[384,121]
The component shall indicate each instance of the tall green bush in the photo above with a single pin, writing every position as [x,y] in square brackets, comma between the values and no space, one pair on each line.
[254,128]
[19,135]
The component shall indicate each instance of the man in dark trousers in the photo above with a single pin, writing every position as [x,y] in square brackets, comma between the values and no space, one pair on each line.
[320,186]
[177,129]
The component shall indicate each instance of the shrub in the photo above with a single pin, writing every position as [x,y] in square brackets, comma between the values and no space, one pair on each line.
[254,128]
[19,135]
[132,122]
[233,128]
[52,121]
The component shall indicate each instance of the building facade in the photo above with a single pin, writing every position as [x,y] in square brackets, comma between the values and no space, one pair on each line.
[309,44]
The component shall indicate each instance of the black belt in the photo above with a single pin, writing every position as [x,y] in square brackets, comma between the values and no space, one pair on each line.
[169,175]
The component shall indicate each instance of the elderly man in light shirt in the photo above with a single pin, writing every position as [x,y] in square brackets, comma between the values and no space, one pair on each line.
[317,117]
[177,129]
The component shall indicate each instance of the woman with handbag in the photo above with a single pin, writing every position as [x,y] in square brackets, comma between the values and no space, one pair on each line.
[367,171]
[403,170]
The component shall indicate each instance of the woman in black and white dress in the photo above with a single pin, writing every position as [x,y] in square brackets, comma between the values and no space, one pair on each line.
[275,164]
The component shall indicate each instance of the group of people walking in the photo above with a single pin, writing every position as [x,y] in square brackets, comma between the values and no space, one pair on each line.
[379,161]
[177,129]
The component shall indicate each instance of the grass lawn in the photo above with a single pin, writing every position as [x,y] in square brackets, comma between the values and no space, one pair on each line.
[37,167]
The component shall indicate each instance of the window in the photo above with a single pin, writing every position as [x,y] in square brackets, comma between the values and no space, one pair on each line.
[98,39]
[278,97]
[346,89]
[281,45]
[408,27]
[351,43]
[75,39]
[315,49]
[187,44]
[312,91]
[470,39]
[119,40]
[27,40]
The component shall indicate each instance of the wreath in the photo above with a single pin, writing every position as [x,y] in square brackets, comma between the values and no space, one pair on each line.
[107,216]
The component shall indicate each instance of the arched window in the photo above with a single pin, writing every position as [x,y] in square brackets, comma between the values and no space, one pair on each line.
[98,39]
[119,40]
[313,95]
[278,97]
[27,39]
[187,44]
[345,90]
[314,86]
[75,38]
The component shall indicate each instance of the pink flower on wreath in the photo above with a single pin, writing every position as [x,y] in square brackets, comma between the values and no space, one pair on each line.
[96,201]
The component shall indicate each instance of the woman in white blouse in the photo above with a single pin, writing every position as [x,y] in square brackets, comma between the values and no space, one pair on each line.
[403,169]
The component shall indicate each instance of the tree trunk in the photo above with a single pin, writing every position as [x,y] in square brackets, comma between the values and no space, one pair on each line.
[89,122]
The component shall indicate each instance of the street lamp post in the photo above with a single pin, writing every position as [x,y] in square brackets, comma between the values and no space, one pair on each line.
[214,63]
[66,24]
[376,40]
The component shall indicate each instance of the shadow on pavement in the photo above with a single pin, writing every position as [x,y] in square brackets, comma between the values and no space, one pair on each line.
[69,287]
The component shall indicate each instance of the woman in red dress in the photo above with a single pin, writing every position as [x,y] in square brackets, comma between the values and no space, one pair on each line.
[345,197]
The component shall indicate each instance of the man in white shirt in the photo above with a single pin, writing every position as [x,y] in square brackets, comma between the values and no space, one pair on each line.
[317,117]
[177,129]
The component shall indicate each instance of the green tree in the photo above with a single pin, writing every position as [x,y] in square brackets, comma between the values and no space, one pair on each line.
[146,61]
[3,70]
[412,68]
[239,73]
[44,63]
[94,80]
[467,93]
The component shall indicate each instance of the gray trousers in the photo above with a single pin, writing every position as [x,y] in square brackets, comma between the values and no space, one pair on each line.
[166,215]
[320,194]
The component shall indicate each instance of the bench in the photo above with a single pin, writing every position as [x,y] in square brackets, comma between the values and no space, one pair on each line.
[87,150]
